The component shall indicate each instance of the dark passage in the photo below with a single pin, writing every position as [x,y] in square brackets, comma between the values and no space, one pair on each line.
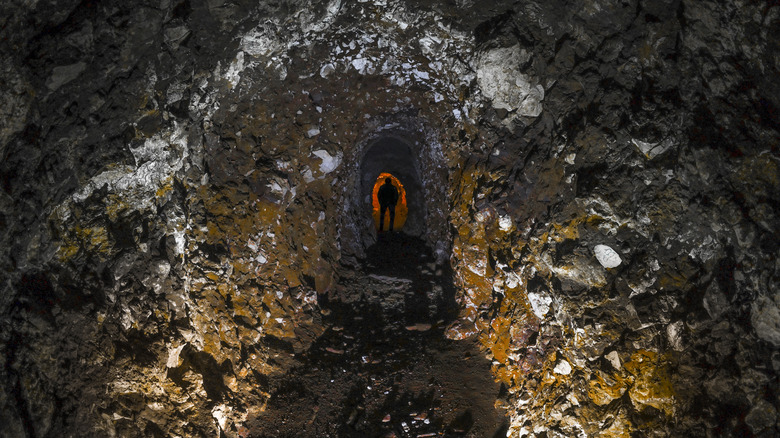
[383,368]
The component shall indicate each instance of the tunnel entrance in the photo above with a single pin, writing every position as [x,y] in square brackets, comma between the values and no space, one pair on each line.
[401,209]
[393,158]
[407,149]
[383,366]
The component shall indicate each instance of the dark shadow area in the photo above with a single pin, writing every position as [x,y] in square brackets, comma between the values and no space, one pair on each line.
[205,365]
[462,423]
[383,367]
[407,258]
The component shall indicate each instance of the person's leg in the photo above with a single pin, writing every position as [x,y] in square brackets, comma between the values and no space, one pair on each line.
[382,209]
[392,216]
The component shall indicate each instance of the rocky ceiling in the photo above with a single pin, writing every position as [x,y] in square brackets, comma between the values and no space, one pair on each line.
[182,185]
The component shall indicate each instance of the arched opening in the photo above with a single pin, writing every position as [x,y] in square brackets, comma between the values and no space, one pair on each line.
[401,209]
[391,157]
[409,151]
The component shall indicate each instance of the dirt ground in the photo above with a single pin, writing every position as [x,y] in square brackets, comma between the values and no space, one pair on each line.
[383,368]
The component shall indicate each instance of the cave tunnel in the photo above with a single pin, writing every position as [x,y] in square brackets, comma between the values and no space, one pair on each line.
[390,156]
[405,148]
[189,247]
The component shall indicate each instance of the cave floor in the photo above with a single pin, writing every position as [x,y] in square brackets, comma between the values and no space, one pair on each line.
[383,367]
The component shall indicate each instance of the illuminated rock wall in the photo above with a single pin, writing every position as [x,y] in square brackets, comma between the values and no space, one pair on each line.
[181,182]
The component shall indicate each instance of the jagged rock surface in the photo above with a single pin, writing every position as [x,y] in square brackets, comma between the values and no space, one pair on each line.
[180,187]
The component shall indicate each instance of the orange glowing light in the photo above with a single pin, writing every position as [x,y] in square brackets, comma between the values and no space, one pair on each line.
[401,211]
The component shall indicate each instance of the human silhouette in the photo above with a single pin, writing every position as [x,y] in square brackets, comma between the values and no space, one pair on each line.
[388,197]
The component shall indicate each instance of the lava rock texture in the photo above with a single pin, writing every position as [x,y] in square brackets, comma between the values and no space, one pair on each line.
[181,197]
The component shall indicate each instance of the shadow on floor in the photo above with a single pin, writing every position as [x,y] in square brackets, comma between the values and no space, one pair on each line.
[383,367]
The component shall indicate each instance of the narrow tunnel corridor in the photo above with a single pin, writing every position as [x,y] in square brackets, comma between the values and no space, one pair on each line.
[383,367]
[189,246]
[389,156]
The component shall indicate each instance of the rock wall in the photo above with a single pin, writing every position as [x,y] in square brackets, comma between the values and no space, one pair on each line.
[179,196]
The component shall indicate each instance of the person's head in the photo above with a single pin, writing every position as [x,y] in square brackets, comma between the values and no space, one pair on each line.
[388,181]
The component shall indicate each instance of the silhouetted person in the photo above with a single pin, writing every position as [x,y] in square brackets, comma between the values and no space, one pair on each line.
[388,197]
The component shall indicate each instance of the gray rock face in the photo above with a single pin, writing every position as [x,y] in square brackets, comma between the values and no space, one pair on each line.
[15,103]
[182,190]
[765,317]
[501,81]
[762,419]
[63,74]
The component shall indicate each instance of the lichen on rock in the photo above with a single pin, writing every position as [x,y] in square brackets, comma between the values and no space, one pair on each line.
[184,193]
